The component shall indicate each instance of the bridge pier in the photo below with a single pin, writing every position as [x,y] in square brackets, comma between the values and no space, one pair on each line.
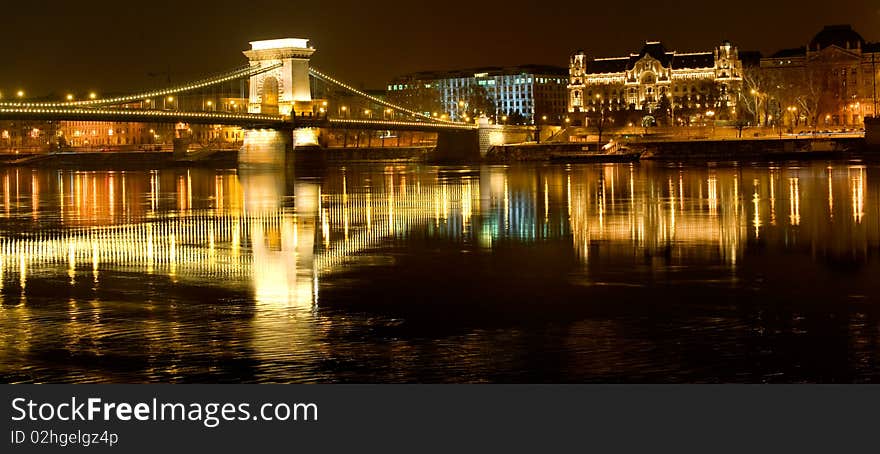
[181,146]
[182,140]
[872,132]
[457,146]
[265,148]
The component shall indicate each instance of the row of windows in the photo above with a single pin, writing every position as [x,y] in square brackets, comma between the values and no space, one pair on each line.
[465,82]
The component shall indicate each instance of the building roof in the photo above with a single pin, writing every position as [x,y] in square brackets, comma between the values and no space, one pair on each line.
[607,65]
[489,71]
[871,47]
[750,57]
[837,35]
[700,60]
[656,50]
[793,52]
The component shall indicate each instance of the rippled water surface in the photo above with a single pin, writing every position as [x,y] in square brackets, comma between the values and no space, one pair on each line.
[414,273]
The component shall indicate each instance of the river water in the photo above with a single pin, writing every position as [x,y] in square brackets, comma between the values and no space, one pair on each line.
[645,272]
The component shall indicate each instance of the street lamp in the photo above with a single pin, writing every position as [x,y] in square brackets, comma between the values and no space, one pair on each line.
[671,108]
[755,94]
[20,94]
[792,112]
[93,95]
[69,97]
[504,119]
[711,115]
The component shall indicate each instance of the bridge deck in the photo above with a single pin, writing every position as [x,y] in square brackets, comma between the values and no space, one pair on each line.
[247,120]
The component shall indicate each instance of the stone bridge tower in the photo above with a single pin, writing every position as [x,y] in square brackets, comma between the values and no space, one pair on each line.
[283,89]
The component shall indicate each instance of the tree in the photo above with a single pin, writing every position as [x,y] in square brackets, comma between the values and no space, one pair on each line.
[757,83]
[664,109]
[740,124]
[478,101]
[516,118]
[598,118]
[799,87]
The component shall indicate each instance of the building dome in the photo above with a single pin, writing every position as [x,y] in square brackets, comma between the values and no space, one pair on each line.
[842,36]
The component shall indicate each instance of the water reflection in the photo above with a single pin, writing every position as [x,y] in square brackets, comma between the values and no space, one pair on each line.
[404,272]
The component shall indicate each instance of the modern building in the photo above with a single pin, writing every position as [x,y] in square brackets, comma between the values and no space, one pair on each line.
[685,84]
[832,81]
[517,94]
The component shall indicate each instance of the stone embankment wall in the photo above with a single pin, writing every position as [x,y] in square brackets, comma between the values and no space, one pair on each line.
[747,149]
[374,154]
[534,152]
[872,132]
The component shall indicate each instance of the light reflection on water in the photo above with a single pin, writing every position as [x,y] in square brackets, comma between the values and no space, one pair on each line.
[407,272]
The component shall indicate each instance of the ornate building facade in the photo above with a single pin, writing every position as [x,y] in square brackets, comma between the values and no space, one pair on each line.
[683,85]
[831,82]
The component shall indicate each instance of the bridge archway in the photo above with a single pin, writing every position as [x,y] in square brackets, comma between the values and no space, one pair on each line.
[269,96]
[291,56]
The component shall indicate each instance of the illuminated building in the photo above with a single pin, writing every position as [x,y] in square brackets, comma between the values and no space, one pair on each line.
[521,93]
[832,81]
[655,79]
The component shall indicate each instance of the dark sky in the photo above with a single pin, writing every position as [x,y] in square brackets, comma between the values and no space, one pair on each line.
[62,45]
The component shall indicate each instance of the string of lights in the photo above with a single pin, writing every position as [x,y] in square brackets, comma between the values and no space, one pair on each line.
[238,73]
[314,72]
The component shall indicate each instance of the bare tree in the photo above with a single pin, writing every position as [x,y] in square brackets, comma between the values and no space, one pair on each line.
[757,85]
[800,88]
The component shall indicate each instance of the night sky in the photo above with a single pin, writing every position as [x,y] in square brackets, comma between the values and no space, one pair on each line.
[111,46]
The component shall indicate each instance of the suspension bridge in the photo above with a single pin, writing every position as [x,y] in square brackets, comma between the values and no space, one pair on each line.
[283,93]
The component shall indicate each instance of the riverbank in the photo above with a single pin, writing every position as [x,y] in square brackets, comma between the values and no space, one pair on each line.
[121,160]
[696,150]
[684,150]
[753,149]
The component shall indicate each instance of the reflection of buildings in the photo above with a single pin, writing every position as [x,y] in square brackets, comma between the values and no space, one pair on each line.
[254,228]
[250,252]
[220,228]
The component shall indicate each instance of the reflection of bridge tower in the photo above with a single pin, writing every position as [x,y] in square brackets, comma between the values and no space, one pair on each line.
[279,90]
[282,243]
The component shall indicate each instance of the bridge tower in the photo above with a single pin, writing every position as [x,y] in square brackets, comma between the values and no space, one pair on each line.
[283,89]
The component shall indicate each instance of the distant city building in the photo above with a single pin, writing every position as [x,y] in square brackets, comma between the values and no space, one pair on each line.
[518,94]
[832,81]
[684,84]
